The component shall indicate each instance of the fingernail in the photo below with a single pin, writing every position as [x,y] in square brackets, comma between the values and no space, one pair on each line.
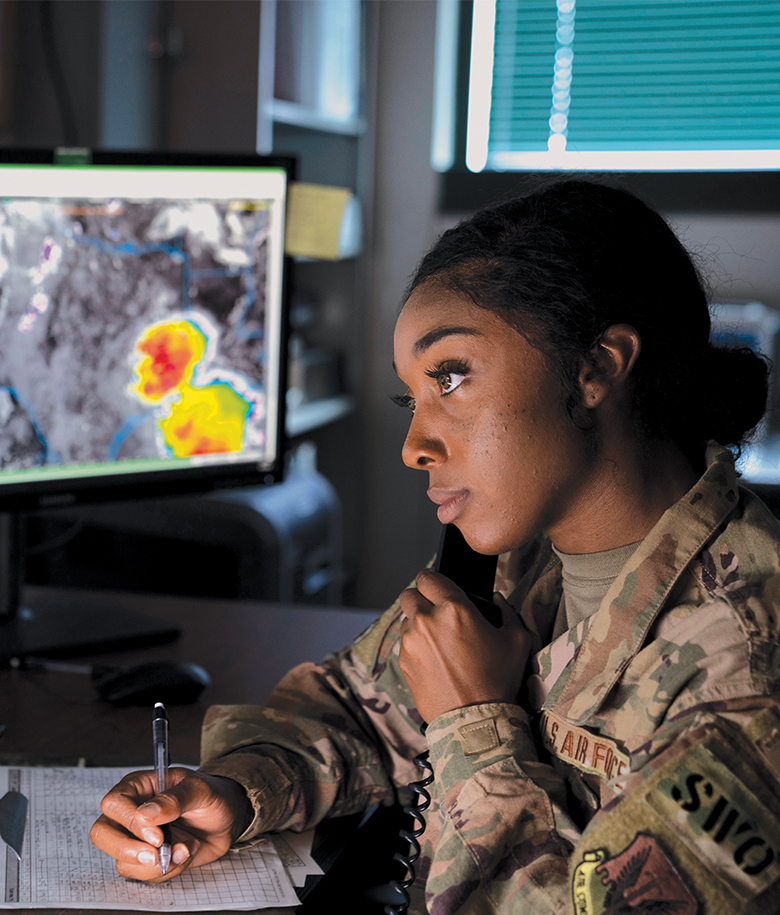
[149,809]
[147,857]
[151,836]
[180,854]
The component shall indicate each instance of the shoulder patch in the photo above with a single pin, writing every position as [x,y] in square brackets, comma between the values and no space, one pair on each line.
[641,878]
[719,818]
[712,805]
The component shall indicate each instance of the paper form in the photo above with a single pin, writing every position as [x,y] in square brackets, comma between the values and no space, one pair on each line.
[60,868]
[295,851]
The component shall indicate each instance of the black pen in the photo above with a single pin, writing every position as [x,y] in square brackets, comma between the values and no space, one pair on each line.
[161,762]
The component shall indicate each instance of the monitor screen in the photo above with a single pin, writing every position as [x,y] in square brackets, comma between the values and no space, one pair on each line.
[142,325]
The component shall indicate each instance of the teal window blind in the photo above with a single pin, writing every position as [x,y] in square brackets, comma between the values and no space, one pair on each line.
[625,84]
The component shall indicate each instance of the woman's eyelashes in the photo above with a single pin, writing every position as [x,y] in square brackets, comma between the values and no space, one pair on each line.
[448,376]
[404,400]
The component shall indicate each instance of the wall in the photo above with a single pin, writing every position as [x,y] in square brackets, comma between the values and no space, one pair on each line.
[49,109]
[738,250]
[213,85]
[401,529]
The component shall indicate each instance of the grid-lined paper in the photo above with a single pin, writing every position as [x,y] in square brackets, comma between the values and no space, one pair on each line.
[61,868]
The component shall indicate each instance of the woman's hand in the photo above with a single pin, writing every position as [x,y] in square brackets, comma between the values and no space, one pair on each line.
[207,814]
[451,656]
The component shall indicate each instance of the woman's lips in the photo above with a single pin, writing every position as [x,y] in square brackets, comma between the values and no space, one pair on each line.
[450,503]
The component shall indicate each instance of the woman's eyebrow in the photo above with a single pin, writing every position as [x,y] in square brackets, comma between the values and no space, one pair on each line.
[433,336]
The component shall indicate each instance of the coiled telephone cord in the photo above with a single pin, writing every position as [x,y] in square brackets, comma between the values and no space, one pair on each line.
[421,801]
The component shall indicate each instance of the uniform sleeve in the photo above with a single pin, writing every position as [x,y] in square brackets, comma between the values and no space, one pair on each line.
[334,738]
[506,836]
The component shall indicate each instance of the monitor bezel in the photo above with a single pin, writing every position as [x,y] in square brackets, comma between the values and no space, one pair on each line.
[28,495]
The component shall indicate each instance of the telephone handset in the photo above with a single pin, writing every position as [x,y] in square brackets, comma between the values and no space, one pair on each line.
[475,573]
[470,570]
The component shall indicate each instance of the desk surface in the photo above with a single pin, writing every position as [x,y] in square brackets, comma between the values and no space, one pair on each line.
[54,718]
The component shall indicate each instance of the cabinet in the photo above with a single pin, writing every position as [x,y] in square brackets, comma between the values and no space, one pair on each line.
[311,67]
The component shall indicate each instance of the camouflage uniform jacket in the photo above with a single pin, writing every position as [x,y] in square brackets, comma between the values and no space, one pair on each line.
[639,772]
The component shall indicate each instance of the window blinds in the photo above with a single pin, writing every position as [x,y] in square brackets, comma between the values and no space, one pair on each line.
[622,84]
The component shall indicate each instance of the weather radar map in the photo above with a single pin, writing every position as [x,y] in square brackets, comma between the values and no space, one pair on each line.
[132,330]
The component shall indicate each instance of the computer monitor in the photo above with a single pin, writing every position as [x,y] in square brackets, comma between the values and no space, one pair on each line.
[142,338]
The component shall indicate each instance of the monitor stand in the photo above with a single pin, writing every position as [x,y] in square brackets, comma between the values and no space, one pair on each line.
[60,625]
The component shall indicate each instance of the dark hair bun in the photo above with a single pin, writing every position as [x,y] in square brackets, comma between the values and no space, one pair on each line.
[735,387]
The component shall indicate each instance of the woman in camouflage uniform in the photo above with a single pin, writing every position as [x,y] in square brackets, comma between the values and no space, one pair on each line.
[614,747]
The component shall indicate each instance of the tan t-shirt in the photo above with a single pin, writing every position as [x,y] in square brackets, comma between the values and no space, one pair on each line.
[586,579]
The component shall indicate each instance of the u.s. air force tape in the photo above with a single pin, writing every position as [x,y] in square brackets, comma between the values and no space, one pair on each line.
[582,748]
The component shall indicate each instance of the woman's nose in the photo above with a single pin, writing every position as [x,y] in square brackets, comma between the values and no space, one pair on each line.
[421,449]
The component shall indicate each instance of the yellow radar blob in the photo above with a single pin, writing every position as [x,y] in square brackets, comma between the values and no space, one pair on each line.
[207,420]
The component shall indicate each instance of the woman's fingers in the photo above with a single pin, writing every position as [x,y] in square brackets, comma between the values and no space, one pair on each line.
[135,855]
[206,814]
[140,860]
[451,656]
[110,837]
[135,804]
[184,856]
[121,805]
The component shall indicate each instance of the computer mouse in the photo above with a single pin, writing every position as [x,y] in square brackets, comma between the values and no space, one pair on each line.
[169,682]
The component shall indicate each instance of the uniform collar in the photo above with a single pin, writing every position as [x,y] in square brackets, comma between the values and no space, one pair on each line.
[620,626]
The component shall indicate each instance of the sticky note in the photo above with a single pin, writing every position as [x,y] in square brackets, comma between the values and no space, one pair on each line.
[314,220]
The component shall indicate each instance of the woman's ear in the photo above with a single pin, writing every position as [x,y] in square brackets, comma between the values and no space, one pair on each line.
[608,365]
